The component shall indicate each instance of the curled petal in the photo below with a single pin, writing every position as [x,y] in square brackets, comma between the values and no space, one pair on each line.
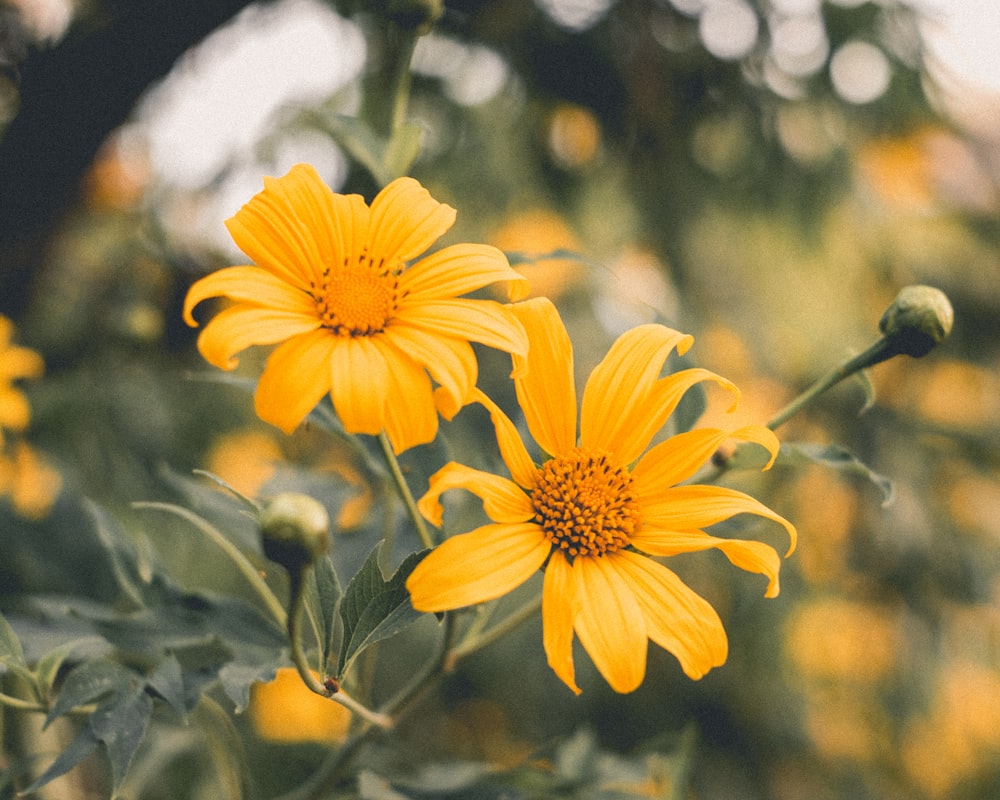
[234,329]
[560,606]
[250,285]
[405,221]
[454,271]
[678,458]
[685,508]
[610,623]
[503,500]
[512,449]
[746,554]
[474,567]
[544,379]
[288,388]
[677,619]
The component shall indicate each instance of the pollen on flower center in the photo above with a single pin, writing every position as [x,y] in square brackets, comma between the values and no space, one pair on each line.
[585,503]
[355,302]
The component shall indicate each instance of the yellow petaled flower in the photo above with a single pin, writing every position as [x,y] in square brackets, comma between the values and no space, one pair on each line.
[285,710]
[15,363]
[331,285]
[597,507]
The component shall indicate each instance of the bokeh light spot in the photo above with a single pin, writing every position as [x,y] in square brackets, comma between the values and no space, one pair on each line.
[860,72]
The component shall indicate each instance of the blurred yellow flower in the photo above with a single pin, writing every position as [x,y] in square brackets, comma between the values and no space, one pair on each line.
[29,482]
[597,508]
[286,710]
[15,363]
[332,286]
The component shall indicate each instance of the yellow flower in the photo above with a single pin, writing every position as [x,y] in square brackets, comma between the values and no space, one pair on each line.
[597,508]
[15,363]
[332,286]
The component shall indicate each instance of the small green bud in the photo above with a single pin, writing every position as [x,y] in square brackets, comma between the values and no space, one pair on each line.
[294,530]
[918,320]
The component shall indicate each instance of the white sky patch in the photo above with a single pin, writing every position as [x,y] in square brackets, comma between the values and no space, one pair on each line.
[222,96]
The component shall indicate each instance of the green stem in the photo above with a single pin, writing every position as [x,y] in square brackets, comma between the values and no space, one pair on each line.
[501,629]
[404,490]
[883,349]
[21,705]
[248,570]
[301,662]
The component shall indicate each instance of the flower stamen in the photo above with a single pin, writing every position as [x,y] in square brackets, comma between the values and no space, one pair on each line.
[585,503]
[355,302]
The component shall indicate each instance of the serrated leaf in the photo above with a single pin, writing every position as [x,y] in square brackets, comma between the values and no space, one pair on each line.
[11,651]
[167,680]
[835,457]
[374,608]
[89,682]
[328,596]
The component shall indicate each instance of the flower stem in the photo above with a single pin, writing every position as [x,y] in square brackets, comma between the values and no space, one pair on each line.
[882,350]
[479,641]
[298,655]
[404,490]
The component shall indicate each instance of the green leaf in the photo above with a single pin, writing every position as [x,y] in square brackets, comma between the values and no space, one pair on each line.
[402,149]
[121,555]
[119,726]
[373,608]
[48,665]
[167,680]
[87,683]
[835,457]
[328,596]
[11,651]
[82,746]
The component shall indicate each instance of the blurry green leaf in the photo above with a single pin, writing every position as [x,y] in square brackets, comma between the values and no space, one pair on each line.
[82,746]
[835,457]
[167,680]
[575,758]
[121,553]
[48,665]
[120,724]
[237,678]
[224,747]
[87,683]
[10,646]
[373,787]
[401,150]
[374,608]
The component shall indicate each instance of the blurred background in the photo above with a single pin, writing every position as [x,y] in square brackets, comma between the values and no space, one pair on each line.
[765,174]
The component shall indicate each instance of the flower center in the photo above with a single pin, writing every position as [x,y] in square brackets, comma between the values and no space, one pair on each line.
[585,503]
[355,301]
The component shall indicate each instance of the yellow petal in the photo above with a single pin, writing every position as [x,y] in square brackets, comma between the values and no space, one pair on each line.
[677,619]
[410,413]
[359,384]
[610,623]
[405,221]
[746,554]
[474,567]
[251,285]
[615,396]
[234,329]
[560,605]
[512,449]
[295,378]
[686,508]
[451,362]
[544,380]
[681,456]
[286,228]
[483,321]
[454,271]
[15,411]
[503,500]
[20,362]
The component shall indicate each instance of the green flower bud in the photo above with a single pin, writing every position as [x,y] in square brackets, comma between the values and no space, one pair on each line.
[919,319]
[294,530]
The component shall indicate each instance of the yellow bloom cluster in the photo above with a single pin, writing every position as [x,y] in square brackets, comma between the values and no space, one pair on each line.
[389,342]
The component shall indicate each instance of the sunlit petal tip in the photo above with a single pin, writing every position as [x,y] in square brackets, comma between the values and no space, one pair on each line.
[517,289]
[685,344]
